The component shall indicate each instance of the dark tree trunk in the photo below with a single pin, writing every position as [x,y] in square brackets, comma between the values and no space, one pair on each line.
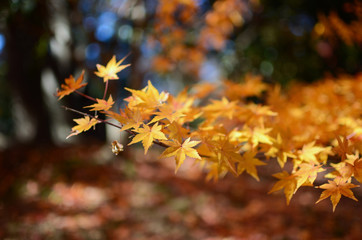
[26,31]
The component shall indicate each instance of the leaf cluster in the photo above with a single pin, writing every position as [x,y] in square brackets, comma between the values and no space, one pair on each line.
[300,129]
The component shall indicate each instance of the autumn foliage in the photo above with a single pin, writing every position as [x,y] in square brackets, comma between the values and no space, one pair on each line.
[313,132]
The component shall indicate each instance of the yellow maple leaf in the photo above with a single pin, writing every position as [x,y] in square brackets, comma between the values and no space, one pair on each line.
[279,151]
[215,171]
[166,111]
[288,182]
[180,151]
[71,85]
[148,97]
[147,135]
[109,72]
[259,135]
[227,152]
[101,105]
[220,108]
[307,173]
[335,189]
[309,152]
[256,114]
[249,163]
[84,124]
[254,136]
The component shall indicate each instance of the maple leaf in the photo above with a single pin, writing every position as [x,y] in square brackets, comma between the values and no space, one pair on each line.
[84,124]
[254,136]
[201,90]
[248,163]
[309,152]
[226,152]
[148,97]
[259,135]
[147,135]
[352,166]
[177,109]
[215,171]
[71,85]
[168,112]
[256,113]
[343,148]
[101,105]
[222,108]
[253,86]
[129,118]
[335,189]
[288,182]
[109,72]
[345,169]
[357,171]
[176,131]
[278,150]
[180,151]
[307,173]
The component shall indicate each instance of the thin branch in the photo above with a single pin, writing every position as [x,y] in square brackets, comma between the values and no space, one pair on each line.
[91,116]
[86,96]
[114,125]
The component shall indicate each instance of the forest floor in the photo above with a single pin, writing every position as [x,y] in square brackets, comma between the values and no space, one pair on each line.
[87,193]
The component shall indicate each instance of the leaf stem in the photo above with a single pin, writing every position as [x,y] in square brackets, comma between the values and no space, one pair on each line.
[105,90]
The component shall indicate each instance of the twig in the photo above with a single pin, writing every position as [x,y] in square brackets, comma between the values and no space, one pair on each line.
[91,116]
[116,126]
[86,96]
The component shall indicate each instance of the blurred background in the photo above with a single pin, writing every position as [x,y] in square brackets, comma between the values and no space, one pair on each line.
[52,188]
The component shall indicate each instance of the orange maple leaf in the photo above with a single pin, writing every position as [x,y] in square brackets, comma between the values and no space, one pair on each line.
[147,135]
[202,90]
[180,151]
[288,182]
[84,124]
[353,166]
[109,72]
[71,85]
[216,171]
[102,105]
[128,118]
[220,108]
[335,189]
[280,151]
[249,163]
[343,148]
[358,169]
[252,86]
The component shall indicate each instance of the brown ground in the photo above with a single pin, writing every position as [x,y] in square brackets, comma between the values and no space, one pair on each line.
[84,192]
